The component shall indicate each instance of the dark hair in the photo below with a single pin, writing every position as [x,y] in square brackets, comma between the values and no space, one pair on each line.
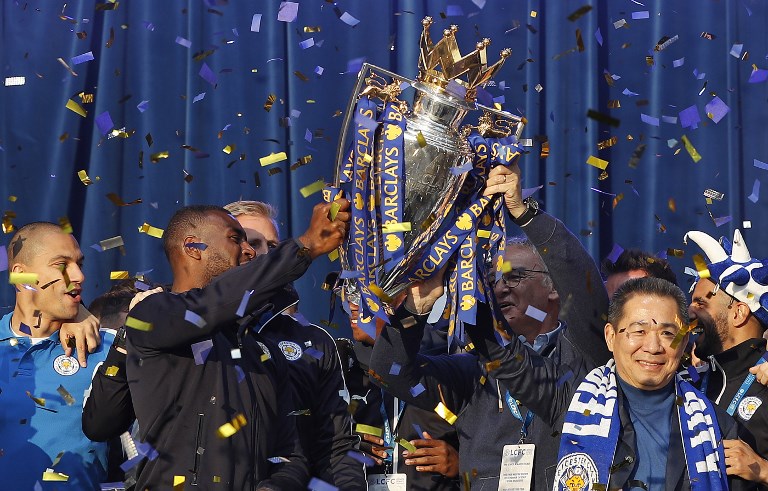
[649,286]
[109,306]
[632,259]
[184,220]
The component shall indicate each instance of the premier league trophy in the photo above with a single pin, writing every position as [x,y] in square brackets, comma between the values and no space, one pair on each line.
[414,174]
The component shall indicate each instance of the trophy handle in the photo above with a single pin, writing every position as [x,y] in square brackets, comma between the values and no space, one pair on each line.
[364,70]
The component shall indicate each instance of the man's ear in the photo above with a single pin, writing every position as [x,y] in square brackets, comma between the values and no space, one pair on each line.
[740,314]
[189,247]
[610,335]
[18,268]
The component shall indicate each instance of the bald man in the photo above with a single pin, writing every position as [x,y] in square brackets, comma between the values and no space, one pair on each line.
[42,389]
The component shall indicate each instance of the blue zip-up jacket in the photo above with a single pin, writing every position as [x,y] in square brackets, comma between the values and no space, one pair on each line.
[39,421]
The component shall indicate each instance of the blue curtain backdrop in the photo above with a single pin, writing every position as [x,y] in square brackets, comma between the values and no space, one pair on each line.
[145,73]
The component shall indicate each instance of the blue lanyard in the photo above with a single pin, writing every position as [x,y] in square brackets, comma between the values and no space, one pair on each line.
[514,408]
[388,437]
[743,389]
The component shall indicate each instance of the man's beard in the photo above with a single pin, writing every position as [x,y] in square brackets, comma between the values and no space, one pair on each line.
[714,330]
[216,265]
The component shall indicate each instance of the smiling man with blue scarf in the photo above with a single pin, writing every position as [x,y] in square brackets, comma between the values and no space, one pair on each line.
[630,424]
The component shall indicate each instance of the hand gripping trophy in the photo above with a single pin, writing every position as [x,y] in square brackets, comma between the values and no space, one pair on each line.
[414,176]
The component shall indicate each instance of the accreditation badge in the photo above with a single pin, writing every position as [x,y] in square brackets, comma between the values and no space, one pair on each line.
[516,467]
[387,482]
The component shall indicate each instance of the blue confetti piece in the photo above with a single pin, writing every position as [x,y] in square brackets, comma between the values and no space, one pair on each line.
[760,165]
[240,374]
[461,169]
[146,450]
[244,303]
[354,65]
[693,374]
[288,11]
[758,76]
[25,329]
[599,36]
[207,74]
[96,247]
[366,122]
[629,93]
[615,253]
[183,42]
[104,123]
[201,350]
[755,192]
[678,63]
[418,430]
[565,378]
[314,353]
[199,97]
[641,14]
[142,106]
[256,23]
[345,275]
[395,369]
[417,389]
[307,43]
[349,19]
[110,486]
[308,136]
[319,70]
[131,463]
[649,119]
[195,319]
[716,109]
[76,60]
[669,119]
[316,484]
[454,11]
[362,458]
[141,286]
[197,245]
[689,117]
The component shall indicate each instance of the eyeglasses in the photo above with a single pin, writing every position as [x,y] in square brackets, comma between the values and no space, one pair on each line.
[513,278]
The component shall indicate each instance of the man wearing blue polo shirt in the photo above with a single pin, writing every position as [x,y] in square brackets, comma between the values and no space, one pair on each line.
[42,390]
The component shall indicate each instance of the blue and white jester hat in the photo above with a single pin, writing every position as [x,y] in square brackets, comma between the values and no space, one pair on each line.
[734,271]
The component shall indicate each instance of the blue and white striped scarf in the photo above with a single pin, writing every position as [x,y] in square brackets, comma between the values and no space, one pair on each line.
[591,433]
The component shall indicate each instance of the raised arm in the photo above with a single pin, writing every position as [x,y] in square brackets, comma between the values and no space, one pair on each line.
[583,298]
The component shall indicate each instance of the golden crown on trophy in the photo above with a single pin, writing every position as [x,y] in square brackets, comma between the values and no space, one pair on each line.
[446,54]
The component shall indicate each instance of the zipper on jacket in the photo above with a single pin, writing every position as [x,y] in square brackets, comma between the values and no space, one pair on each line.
[198,442]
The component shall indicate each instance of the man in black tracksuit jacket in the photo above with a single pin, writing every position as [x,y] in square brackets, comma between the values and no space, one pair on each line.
[320,394]
[209,396]
[484,422]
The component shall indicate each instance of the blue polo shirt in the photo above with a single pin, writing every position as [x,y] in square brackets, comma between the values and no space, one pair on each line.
[38,418]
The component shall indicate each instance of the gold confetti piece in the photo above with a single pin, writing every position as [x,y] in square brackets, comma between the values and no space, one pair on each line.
[64,64]
[407,445]
[118,201]
[544,150]
[12,198]
[138,324]
[301,162]
[228,429]
[675,252]
[376,290]
[701,266]
[421,140]
[66,227]
[690,149]
[596,162]
[492,365]
[672,205]
[445,413]
[265,357]
[335,207]
[368,430]
[579,41]
[311,29]
[58,456]
[617,198]
[603,176]
[579,12]
[86,98]
[38,400]
[274,170]
[228,149]
[607,143]
[482,379]
[22,278]
[392,228]
[83,175]
[333,255]
[614,103]
[155,157]
[534,13]
[301,76]
[150,230]
[55,476]
[271,98]
[313,188]
[178,483]
[67,398]
[111,371]
[119,275]
[76,108]
[273,158]
[484,234]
